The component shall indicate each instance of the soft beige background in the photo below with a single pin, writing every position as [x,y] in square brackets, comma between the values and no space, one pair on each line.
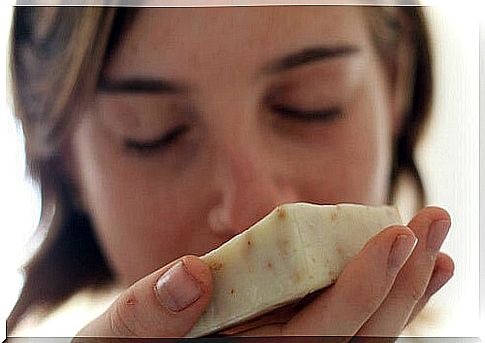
[448,158]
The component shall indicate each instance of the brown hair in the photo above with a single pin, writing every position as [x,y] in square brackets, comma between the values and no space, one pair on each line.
[57,56]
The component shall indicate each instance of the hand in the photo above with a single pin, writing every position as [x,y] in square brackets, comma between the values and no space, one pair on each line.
[166,303]
[383,288]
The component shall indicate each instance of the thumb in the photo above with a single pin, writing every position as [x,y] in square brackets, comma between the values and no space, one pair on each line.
[166,303]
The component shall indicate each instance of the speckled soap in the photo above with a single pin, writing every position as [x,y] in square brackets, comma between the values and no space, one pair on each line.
[295,250]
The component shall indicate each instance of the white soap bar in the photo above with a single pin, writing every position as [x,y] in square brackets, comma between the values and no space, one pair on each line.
[295,250]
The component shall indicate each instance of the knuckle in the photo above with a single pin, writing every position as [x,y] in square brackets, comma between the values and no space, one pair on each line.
[121,320]
[416,291]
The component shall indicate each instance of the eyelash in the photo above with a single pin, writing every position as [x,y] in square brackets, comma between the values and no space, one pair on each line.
[288,112]
[147,147]
[324,115]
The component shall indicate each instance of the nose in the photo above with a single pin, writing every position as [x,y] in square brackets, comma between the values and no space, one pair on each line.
[249,187]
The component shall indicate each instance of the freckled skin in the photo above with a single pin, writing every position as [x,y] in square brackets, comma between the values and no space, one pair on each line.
[240,159]
[131,301]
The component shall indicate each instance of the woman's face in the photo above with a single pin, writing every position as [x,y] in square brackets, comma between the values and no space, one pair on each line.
[209,118]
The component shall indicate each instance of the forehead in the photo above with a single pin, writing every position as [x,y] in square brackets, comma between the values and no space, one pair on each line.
[189,41]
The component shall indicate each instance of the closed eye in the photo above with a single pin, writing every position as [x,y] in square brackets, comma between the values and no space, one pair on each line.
[150,146]
[323,115]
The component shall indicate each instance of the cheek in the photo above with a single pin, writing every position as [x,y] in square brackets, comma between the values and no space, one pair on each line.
[131,207]
[351,162]
[364,164]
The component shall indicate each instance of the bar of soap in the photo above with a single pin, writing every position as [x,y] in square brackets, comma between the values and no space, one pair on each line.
[295,250]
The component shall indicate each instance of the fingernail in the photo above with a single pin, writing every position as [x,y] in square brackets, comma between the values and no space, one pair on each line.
[436,234]
[438,281]
[401,249]
[177,289]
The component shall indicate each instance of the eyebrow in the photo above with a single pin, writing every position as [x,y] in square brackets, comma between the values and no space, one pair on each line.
[146,85]
[140,85]
[309,55]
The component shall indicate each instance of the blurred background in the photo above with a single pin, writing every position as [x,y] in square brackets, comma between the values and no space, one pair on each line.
[448,159]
